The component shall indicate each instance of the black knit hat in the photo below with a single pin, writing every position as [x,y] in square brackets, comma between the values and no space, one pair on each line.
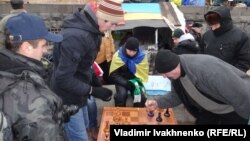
[177,33]
[16,1]
[197,25]
[132,44]
[166,61]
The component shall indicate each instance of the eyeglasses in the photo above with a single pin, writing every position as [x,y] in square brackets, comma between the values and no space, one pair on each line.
[212,18]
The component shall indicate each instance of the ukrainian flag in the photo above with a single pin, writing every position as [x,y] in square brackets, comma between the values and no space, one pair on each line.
[138,65]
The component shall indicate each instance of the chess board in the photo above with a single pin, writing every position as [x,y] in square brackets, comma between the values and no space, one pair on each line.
[132,116]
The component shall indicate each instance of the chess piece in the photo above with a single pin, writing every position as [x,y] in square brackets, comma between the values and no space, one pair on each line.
[106,131]
[106,136]
[150,113]
[106,128]
[159,119]
[126,122]
[167,114]
[115,118]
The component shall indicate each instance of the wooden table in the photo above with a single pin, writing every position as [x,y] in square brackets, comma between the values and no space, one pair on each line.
[132,116]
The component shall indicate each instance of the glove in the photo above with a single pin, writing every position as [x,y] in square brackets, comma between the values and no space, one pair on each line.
[102,93]
[64,113]
[69,110]
[96,82]
[130,86]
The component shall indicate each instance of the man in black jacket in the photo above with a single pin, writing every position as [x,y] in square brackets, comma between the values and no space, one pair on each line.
[184,43]
[224,40]
[74,56]
[196,31]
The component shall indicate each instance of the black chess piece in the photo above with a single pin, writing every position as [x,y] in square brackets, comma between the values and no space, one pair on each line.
[151,114]
[159,119]
[167,114]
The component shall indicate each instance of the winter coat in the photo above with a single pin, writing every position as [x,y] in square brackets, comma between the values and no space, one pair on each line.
[186,45]
[107,49]
[74,56]
[33,111]
[228,42]
[225,84]
[197,36]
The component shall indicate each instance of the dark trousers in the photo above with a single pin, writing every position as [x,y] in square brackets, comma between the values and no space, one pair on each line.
[122,95]
[220,119]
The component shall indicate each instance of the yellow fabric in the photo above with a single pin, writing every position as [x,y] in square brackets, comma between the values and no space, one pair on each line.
[107,50]
[142,69]
[139,16]
[177,2]
[115,63]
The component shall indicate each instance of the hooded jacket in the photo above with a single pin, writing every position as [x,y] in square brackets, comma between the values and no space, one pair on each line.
[74,56]
[228,42]
[186,45]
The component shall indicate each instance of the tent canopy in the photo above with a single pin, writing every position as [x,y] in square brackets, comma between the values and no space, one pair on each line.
[150,15]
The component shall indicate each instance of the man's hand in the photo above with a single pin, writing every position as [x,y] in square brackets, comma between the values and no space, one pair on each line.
[151,105]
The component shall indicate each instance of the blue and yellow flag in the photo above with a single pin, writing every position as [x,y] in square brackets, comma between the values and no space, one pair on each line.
[138,65]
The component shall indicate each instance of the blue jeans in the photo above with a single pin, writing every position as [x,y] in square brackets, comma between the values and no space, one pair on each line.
[76,127]
[92,112]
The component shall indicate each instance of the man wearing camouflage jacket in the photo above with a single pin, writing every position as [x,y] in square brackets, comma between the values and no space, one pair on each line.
[32,110]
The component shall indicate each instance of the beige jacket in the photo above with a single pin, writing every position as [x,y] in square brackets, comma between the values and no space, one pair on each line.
[107,49]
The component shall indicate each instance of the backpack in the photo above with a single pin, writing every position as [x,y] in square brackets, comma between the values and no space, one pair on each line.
[5,132]
[30,108]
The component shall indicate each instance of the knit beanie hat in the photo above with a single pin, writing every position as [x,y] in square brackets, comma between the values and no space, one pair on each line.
[110,10]
[197,25]
[177,33]
[166,61]
[132,44]
[16,1]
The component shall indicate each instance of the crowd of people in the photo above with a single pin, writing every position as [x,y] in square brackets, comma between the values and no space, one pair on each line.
[209,72]
[237,3]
